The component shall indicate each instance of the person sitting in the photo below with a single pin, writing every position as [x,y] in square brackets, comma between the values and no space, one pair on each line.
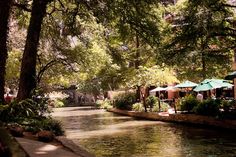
[213,96]
[199,97]
[161,96]
[8,98]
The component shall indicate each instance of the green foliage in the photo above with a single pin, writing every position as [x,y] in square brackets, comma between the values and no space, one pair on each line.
[41,101]
[188,103]
[18,111]
[49,124]
[225,105]
[151,101]
[33,114]
[164,107]
[133,18]
[104,104]
[147,76]
[138,107]
[125,101]
[58,103]
[228,107]
[199,41]
[57,99]
[13,68]
[208,107]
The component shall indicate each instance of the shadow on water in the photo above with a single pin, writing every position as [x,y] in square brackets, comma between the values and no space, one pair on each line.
[163,140]
[109,135]
[89,108]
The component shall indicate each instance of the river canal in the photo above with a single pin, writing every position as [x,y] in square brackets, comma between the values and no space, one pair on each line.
[109,135]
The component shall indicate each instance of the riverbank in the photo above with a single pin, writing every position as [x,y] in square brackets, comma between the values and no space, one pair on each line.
[60,147]
[180,118]
[29,146]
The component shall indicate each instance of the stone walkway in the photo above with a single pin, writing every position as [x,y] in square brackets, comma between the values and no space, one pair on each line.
[40,149]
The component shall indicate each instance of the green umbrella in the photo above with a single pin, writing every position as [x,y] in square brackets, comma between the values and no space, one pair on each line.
[231,76]
[205,87]
[221,83]
[209,84]
[186,84]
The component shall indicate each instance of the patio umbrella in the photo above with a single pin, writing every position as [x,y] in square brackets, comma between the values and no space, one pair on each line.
[222,83]
[158,89]
[205,87]
[209,84]
[171,88]
[231,76]
[186,84]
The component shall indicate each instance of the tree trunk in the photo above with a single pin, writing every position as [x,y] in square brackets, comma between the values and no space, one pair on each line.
[138,95]
[144,96]
[203,66]
[203,55]
[137,64]
[28,65]
[5,6]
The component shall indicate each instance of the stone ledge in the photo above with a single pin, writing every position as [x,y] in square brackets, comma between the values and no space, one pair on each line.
[181,118]
[15,149]
[73,147]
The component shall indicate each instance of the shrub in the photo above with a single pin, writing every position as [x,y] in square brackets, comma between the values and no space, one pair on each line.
[33,114]
[151,101]
[178,104]
[58,103]
[45,136]
[98,103]
[164,107]
[229,111]
[15,129]
[138,107]
[125,101]
[18,111]
[225,105]
[208,107]
[188,103]
[103,104]
[53,126]
[49,124]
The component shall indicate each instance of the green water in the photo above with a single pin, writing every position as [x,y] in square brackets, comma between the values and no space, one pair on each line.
[109,135]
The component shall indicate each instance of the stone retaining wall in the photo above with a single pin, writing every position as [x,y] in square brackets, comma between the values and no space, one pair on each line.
[73,147]
[180,118]
[15,150]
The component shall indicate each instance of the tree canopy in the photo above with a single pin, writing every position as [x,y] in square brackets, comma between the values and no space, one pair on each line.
[107,45]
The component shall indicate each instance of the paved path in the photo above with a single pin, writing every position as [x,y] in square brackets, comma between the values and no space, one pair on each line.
[40,149]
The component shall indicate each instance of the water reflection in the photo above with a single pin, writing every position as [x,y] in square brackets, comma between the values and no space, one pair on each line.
[109,135]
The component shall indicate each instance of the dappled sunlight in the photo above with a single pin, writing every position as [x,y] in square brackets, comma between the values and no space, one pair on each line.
[133,123]
[47,148]
[109,129]
[75,135]
[41,149]
[112,117]
[73,111]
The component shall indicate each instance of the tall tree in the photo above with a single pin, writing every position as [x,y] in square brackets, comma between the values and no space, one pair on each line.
[201,42]
[5,6]
[28,65]
[137,24]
